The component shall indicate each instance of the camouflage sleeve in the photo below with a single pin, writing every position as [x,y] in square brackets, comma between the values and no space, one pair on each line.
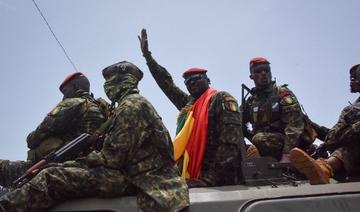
[292,117]
[346,130]
[227,138]
[162,77]
[321,131]
[335,130]
[57,121]
[128,130]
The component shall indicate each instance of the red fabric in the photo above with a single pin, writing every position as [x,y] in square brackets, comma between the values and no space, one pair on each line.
[257,60]
[68,78]
[193,71]
[197,141]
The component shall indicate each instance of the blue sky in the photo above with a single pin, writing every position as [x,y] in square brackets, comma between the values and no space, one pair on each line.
[311,46]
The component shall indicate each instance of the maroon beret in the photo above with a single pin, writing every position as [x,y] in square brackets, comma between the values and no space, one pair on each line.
[69,78]
[193,71]
[258,60]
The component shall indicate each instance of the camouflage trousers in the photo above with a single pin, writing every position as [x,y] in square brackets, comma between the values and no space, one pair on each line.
[271,144]
[11,170]
[350,156]
[57,184]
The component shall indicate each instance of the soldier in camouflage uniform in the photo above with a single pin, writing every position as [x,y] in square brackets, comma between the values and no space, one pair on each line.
[136,158]
[78,113]
[274,113]
[342,140]
[224,135]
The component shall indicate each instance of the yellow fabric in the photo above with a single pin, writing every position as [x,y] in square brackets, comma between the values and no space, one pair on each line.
[182,137]
[184,173]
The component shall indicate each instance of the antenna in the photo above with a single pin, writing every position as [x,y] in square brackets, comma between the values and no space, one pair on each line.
[52,32]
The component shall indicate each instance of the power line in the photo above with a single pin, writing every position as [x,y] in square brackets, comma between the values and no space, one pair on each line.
[52,32]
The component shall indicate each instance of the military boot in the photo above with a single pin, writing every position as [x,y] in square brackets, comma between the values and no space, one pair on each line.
[316,171]
[252,152]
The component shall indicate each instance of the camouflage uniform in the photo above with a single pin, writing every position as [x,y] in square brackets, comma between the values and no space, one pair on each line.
[70,118]
[346,134]
[276,119]
[224,128]
[136,158]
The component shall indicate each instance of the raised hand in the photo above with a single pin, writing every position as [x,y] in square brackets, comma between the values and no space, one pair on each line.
[144,42]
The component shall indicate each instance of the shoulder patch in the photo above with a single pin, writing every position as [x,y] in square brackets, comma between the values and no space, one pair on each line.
[230,98]
[55,110]
[288,99]
[230,104]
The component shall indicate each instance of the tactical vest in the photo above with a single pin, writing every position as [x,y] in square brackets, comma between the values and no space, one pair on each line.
[265,116]
[353,114]
[265,111]
[90,116]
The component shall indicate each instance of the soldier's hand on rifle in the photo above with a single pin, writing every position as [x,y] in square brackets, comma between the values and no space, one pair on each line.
[144,42]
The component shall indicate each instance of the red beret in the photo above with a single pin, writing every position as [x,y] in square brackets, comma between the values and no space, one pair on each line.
[69,78]
[352,69]
[193,71]
[257,60]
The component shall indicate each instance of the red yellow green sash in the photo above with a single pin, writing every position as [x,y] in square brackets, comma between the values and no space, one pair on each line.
[190,142]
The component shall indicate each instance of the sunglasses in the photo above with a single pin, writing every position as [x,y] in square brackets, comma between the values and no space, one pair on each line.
[261,69]
[194,78]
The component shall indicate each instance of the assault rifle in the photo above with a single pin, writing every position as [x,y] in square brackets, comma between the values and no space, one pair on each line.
[242,108]
[72,148]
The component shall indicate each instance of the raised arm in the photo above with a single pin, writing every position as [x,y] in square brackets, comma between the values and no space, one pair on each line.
[162,77]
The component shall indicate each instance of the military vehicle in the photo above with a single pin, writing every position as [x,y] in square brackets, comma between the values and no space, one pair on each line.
[267,187]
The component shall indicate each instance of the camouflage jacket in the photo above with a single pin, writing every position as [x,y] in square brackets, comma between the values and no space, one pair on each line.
[224,128]
[347,129]
[275,109]
[69,118]
[138,143]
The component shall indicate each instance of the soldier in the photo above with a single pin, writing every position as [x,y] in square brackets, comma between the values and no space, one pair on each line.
[274,113]
[136,158]
[209,125]
[341,140]
[78,113]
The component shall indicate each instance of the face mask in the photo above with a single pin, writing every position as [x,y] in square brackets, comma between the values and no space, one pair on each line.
[117,85]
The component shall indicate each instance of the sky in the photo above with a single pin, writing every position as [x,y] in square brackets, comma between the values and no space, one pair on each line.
[311,46]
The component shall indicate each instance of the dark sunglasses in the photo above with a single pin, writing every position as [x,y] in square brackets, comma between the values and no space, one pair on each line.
[261,69]
[194,78]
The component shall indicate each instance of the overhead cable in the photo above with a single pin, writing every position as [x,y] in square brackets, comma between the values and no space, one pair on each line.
[52,32]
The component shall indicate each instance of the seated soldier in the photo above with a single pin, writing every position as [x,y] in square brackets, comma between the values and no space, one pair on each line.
[136,158]
[209,125]
[275,116]
[341,140]
[77,113]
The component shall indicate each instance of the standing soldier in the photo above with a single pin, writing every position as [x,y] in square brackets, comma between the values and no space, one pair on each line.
[342,140]
[78,113]
[274,113]
[136,158]
[209,125]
